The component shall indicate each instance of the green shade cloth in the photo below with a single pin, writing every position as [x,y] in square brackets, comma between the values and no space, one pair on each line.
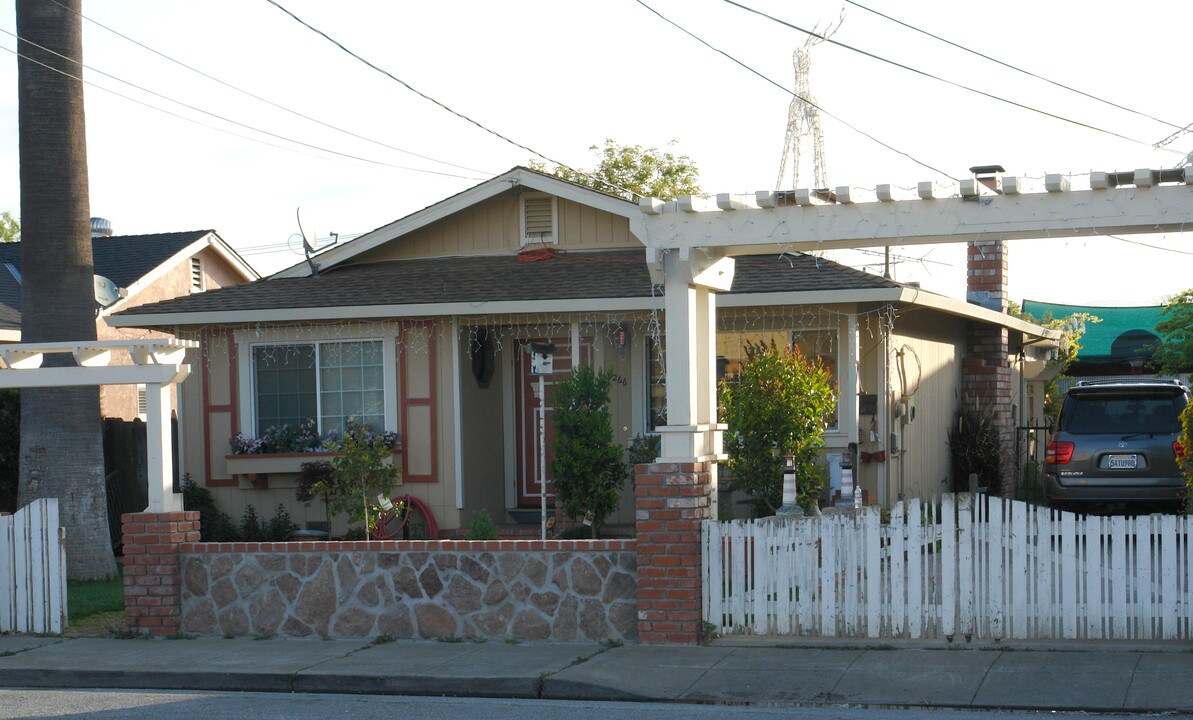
[1125,324]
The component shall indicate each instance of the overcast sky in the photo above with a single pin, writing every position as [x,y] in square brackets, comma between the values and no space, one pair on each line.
[558,76]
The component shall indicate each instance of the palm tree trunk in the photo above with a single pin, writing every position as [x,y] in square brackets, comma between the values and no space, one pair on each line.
[61,435]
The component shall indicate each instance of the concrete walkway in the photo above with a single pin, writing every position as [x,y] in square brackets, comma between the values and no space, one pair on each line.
[1093,677]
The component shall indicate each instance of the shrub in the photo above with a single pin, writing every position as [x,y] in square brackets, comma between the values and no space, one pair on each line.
[976,447]
[777,408]
[588,466]
[250,525]
[280,526]
[214,524]
[1186,461]
[482,527]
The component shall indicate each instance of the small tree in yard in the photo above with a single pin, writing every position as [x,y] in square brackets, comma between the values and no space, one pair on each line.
[588,466]
[777,407]
[361,472]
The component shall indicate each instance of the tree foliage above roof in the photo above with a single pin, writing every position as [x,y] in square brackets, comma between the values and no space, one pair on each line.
[644,172]
[10,228]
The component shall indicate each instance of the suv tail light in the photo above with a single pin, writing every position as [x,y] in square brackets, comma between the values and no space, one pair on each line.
[1059,452]
[1179,450]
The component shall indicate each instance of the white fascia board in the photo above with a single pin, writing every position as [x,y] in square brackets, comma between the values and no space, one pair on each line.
[809,297]
[923,298]
[224,250]
[461,201]
[375,312]
[211,240]
[909,295]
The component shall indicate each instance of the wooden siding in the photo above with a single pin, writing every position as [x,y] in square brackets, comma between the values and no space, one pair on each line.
[493,227]
[938,343]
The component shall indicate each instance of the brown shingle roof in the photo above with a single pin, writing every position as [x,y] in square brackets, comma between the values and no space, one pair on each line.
[498,278]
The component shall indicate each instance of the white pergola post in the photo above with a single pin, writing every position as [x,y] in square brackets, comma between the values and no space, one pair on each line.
[159,450]
[157,364]
[692,433]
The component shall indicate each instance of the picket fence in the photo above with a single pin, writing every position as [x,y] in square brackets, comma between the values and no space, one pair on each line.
[969,567]
[32,570]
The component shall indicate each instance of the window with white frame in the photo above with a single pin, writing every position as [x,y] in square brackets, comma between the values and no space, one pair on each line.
[330,381]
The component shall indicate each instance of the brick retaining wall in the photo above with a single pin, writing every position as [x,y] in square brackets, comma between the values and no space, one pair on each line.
[526,590]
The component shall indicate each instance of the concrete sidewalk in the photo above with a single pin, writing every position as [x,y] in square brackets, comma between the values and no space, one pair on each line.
[1093,677]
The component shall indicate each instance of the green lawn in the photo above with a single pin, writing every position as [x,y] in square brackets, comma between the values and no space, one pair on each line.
[84,599]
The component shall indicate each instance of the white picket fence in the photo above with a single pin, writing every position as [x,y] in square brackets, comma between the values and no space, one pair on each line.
[32,570]
[972,567]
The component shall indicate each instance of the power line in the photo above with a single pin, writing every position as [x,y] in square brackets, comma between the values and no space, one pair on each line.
[270,102]
[789,91]
[215,115]
[931,76]
[147,105]
[432,100]
[1016,68]
[1147,245]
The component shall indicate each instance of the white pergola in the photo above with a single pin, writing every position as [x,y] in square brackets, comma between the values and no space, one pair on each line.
[691,243]
[157,364]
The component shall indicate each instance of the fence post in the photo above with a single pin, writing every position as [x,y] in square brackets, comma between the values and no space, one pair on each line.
[152,571]
[670,502]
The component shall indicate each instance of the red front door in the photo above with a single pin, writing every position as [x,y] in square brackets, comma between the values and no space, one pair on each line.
[530,453]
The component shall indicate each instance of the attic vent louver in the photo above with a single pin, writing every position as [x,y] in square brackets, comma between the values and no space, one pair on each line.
[196,275]
[538,218]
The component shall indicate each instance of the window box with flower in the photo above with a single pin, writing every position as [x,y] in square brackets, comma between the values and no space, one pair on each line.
[283,449]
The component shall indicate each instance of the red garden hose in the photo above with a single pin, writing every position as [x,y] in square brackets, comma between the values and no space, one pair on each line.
[404,504]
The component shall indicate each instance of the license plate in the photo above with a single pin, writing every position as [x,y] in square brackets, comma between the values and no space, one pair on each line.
[1122,462]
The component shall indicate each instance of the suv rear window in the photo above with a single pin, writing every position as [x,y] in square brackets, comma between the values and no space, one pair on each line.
[1103,413]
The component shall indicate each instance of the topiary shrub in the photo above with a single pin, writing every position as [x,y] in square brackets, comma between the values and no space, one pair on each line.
[776,408]
[588,467]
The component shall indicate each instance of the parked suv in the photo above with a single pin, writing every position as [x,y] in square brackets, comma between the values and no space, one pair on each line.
[1117,441]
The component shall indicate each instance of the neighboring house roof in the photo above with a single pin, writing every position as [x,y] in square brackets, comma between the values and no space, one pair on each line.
[610,280]
[1123,331]
[129,261]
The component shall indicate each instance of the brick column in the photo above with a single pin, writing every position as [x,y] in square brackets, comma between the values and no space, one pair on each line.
[986,370]
[670,501]
[152,573]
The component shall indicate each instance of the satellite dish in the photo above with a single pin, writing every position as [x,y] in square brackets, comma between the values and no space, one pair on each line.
[106,292]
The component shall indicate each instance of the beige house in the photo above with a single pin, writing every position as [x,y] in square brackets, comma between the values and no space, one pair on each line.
[143,269]
[422,326]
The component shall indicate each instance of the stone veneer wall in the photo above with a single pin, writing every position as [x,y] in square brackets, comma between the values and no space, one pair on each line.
[526,590]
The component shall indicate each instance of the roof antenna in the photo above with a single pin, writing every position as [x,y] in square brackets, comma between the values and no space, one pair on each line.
[307,248]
